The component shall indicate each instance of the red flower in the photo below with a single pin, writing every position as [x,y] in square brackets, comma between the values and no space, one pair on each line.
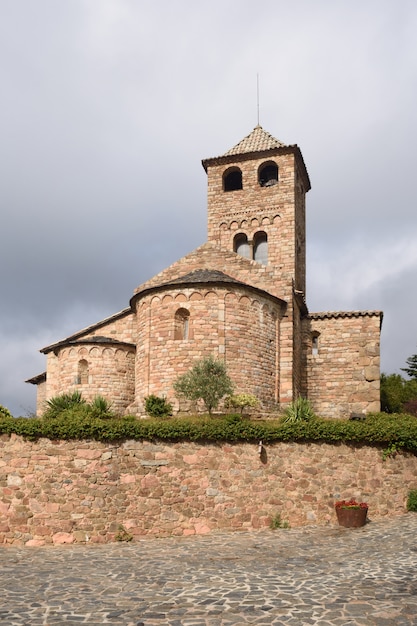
[350,504]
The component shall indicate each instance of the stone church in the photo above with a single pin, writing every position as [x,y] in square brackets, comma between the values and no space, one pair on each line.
[241,297]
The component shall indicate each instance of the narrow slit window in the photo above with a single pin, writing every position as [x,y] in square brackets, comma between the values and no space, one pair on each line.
[82,377]
[182,324]
[315,344]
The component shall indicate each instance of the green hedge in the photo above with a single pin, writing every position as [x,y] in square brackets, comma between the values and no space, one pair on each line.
[392,432]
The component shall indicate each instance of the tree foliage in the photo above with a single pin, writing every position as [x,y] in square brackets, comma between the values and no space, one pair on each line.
[411,370]
[396,392]
[207,381]
[4,412]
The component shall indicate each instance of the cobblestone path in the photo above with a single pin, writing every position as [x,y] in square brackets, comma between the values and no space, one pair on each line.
[315,575]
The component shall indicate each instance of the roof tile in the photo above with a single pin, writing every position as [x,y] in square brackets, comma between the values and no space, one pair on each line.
[257,141]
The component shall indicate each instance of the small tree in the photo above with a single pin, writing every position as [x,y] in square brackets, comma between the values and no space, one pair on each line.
[207,381]
[411,370]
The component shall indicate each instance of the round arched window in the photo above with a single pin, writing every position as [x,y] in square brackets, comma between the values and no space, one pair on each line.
[260,248]
[181,325]
[232,179]
[268,174]
[241,245]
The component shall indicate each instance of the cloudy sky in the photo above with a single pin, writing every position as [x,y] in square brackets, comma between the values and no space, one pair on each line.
[108,107]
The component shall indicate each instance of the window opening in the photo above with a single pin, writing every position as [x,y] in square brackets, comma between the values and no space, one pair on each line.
[82,377]
[241,245]
[315,344]
[260,248]
[232,180]
[182,324]
[268,175]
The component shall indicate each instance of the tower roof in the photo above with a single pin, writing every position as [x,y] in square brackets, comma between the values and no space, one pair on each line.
[257,141]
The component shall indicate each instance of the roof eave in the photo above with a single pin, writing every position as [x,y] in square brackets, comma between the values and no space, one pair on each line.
[86,330]
[162,287]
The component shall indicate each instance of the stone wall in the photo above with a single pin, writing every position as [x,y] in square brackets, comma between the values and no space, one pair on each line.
[270,209]
[343,372]
[231,323]
[55,492]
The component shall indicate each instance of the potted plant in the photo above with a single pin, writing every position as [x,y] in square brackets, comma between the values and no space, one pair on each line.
[351,514]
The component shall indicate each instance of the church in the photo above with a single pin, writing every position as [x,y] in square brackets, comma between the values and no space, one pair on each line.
[240,297]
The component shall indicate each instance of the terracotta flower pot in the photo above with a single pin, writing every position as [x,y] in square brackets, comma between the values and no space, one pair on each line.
[352,517]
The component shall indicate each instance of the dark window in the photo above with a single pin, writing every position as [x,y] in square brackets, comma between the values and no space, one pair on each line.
[315,344]
[268,174]
[232,179]
[260,248]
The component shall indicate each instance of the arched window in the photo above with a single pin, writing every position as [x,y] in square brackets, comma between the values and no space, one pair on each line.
[315,343]
[260,248]
[241,245]
[268,174]
[232,179]
[181,324]
[82,377]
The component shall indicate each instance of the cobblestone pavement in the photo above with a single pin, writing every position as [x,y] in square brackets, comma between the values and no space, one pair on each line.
[314,575]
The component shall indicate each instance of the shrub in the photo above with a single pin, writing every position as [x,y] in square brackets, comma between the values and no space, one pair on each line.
[207,381]
[157,407]
[412,501]
[4,412]
[122,534]
[241,401]
[410,407]
[299,411]
[277,522]
[101,408]
[60,403]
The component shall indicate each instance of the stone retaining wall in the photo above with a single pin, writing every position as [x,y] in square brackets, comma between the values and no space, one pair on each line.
[55,492]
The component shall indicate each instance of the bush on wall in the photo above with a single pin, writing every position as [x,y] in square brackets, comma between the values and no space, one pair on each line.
[381,430]
[4,412]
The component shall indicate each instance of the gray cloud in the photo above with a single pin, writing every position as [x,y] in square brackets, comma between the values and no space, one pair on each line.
[108,108]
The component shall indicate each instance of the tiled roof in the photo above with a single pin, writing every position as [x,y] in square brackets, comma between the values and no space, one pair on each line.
[204,276]
[332,314]
[257,141]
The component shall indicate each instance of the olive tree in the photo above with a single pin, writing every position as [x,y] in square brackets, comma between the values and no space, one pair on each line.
[207,380]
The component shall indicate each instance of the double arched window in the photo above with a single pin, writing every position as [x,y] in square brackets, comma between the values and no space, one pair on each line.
[256,249]
[181,324]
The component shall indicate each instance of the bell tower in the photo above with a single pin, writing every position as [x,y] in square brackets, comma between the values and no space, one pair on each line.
[256,206]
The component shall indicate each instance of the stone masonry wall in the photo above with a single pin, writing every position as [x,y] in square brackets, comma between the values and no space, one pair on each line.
[61,373]
[54,492]
[230,323]
[254,208]
[110,374]
[343,374]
